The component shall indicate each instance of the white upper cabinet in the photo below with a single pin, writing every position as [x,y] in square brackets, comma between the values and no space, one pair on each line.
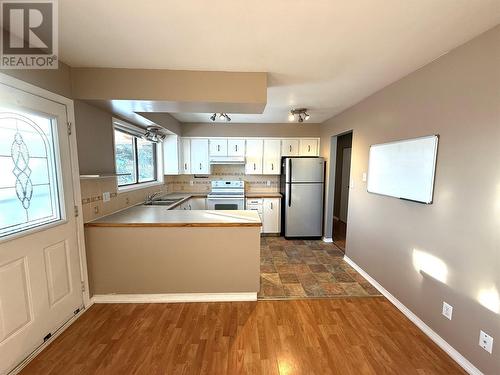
[218,147]
[199,156]
[272,156]
[235,147]
[186,156]
[290,147]
[254,153]
[309,147]
[271,220]
[172,155]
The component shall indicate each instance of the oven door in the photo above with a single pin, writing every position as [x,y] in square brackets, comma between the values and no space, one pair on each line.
[225,203]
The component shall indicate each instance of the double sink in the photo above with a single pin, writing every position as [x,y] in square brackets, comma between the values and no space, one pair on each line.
[162,201]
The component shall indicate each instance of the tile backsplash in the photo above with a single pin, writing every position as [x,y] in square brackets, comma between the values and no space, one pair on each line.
[92,189]
[92,201]
[201,184]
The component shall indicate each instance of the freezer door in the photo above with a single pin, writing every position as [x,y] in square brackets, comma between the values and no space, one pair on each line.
[303,210]
[304,169]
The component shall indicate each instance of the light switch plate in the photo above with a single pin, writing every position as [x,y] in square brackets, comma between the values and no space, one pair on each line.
[364,177]
[486,341]
[447,310]
[106,196]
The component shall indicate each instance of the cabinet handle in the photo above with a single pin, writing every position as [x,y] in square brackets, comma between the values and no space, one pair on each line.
[236,147]
[290,148]
[272,168]
[254,166]
[200,166]
[308,148]
[190,206]
[185,166]
[271,205]
[218,147]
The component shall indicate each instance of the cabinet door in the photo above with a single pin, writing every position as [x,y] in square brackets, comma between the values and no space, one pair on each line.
[272,156]
[308,147]
[172,155]
[199,156]
[236,147]
[197,204]
[289,147]
[186,156]
[271,214]
[254,151]
[218,147]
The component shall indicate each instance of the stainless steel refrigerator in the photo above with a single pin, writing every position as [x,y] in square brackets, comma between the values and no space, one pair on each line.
[302,186]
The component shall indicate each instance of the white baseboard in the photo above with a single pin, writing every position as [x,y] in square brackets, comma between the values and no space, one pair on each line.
[327,239]
[56,334]
[174,297]
[452,352]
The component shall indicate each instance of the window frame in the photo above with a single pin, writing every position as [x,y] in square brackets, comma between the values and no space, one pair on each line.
[122,126]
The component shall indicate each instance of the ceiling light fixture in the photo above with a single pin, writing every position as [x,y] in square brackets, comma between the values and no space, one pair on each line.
[154,134]
[222,117]
[301,114]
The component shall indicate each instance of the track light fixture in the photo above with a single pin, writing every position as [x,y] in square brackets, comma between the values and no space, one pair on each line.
[301,114]
[222,117]
[154,134]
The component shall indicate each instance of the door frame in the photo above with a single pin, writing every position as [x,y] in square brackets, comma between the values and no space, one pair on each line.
[75,171]
[331,153]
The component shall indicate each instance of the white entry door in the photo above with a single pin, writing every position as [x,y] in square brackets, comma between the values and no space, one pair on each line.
[40,278]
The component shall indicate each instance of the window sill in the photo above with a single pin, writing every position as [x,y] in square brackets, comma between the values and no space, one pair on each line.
[145,185]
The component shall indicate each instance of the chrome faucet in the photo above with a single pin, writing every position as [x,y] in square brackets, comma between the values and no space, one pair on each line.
[152,196]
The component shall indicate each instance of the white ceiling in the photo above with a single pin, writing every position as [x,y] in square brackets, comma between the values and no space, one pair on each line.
[325,55]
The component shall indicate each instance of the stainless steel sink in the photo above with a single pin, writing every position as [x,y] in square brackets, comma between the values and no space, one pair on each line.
[162,202]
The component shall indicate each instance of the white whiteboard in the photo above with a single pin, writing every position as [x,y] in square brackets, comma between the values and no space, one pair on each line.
[404,169]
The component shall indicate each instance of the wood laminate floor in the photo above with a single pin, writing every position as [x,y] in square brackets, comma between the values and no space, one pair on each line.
[324,336]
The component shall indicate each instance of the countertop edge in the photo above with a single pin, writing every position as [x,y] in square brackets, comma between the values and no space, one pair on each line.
[174,225]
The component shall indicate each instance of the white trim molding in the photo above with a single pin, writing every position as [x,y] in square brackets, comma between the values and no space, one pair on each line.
[175,297]
[450,350]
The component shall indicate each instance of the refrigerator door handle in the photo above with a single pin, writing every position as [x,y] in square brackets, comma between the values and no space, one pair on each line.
[290,184]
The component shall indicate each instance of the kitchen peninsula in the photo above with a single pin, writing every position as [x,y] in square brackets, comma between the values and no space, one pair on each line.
[174,255]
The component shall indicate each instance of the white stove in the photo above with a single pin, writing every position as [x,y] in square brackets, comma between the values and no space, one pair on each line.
[227,195]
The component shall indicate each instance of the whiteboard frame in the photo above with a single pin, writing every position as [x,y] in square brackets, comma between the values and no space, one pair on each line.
[433,171]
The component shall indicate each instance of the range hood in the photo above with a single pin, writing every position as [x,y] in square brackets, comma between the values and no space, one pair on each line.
[227,160]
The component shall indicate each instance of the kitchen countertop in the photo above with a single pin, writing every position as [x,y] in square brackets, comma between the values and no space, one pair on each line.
[161,216]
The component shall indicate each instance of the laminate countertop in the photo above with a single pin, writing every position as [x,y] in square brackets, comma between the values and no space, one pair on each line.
[160,216]
[263,195]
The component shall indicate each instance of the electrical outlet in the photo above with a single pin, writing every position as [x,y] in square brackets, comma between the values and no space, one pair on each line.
[364,177]
[486,341]
[106,196]
[191,182]
[268,183]
[447,310]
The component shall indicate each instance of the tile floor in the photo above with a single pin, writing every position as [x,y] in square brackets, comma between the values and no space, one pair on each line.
[292,269]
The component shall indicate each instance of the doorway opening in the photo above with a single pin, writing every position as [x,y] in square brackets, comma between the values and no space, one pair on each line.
[341,195]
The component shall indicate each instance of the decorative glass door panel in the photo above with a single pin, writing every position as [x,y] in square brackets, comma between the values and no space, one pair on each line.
[29,190]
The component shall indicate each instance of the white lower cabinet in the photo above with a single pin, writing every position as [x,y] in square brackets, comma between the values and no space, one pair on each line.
[271,215]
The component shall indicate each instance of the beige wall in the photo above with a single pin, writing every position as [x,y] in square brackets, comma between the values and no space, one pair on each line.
[250,130]
[54,80]
[94,133]
[173,260]
[457,97]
